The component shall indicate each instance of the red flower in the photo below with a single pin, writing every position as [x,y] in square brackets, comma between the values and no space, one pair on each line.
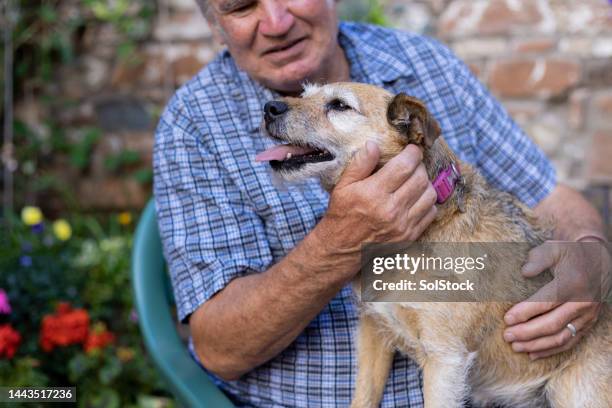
[98,340]
[67,326]
[9,341]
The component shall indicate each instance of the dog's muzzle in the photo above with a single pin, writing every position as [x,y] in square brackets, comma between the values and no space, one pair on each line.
[288,156]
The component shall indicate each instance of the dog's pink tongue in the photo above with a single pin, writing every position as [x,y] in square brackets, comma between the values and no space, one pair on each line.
[280,152]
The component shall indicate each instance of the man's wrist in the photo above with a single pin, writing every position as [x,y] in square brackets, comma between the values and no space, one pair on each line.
[596,236]
[591,236]
[322,243]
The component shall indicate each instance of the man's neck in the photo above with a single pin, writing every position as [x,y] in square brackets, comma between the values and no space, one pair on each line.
[338,67]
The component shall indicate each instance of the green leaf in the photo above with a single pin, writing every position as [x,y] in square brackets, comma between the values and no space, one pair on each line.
[370,11]
[377,14]
[78,366]
[152,401]
[47,13]
[21,129]
[126,50]
[123,158]
[143,176]
[100,10]
[106,398]
[80,153]
[110,371]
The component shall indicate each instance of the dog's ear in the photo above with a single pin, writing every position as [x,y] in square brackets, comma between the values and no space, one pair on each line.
[411,118]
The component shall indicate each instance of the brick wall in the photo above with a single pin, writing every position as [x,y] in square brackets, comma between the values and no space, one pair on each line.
[549,61]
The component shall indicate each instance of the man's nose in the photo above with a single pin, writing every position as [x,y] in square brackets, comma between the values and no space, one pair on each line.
[274,109]
[276,20]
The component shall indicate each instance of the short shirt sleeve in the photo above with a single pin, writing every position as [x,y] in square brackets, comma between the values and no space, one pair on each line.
[505,155]
[210,234]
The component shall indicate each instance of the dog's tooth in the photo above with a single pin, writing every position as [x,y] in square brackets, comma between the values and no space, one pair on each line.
[288,156]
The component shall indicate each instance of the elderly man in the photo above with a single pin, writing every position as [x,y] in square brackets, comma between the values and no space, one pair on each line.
[260,271]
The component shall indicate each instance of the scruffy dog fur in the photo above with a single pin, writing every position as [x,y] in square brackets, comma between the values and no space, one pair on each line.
[459,346]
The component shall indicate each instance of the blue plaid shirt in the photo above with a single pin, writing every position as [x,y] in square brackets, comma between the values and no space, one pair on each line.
[221,216]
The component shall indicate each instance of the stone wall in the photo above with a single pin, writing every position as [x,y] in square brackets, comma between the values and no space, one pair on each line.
[550,62]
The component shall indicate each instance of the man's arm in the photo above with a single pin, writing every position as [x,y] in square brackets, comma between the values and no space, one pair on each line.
[255,317]
[539,328]
[573,216]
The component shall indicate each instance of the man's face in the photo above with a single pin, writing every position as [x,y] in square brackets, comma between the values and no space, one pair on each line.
[280,43]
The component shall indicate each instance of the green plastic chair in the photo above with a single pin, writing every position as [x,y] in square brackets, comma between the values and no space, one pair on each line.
[153,298]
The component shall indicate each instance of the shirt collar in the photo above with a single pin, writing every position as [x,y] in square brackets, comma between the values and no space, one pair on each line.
[369,63]
[378,61]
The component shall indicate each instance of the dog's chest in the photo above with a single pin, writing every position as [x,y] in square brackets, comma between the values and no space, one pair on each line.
[386,311]
[400,320]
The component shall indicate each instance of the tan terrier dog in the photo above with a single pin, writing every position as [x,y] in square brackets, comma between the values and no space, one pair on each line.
[459,345]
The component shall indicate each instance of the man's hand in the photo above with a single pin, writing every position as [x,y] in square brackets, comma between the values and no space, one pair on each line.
[581,272]
[395,204]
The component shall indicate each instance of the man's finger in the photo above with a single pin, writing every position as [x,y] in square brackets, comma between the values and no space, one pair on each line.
[423,223]
[422,207]
[362,165]
[540,258]
[568,345]
[545,299]
[544,325]
[558,339]
[540,344]
[413,188]
[583,325]
[399,169]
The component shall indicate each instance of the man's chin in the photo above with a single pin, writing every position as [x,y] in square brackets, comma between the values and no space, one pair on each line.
[290,77]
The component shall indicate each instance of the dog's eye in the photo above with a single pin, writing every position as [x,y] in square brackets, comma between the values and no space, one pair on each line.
[337,105]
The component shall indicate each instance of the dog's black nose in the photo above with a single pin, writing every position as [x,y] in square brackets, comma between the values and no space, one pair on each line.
[274,109]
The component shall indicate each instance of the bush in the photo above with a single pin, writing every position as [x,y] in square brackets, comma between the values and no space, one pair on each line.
[66,313]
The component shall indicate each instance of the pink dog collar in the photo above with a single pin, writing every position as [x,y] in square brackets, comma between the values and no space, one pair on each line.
[445,183]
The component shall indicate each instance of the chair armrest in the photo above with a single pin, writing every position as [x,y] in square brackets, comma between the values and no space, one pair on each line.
[190,384]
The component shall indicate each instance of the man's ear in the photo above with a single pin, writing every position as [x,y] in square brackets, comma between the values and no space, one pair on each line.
[411,118]
[213,24]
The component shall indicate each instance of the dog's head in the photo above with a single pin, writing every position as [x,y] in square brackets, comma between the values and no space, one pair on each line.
[322,130]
